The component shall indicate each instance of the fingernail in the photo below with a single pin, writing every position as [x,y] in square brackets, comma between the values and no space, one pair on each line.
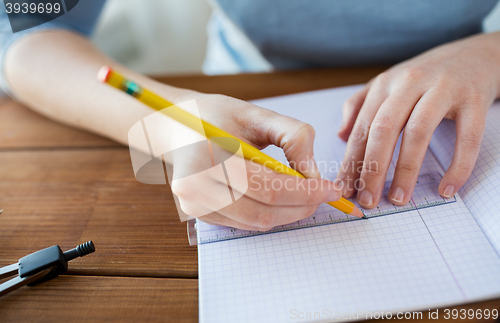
[365,198]
[448,191]
[398,195]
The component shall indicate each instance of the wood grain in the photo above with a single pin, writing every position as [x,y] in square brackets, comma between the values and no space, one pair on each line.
[67,197]
[103,299]
[262,85]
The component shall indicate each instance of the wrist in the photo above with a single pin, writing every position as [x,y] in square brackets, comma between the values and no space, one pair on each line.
[489,46]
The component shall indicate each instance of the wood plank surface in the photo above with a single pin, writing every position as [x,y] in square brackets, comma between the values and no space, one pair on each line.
[103,299]
[67,197]
[262,85]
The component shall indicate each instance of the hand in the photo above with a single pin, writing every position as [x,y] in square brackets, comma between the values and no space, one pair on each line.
[271,199]
[457,81]
[69,62]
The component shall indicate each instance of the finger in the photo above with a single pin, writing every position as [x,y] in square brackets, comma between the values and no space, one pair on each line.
[296,138]
[201,195]
[417,134]
[470,128]
[262,127]
[263,184]
[208,190]
[253,213]
[350,111]
[382,139]
[268,187]
[356,144]
[245,210]
[189,191]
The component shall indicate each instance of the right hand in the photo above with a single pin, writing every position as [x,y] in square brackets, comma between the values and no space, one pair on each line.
[68,62]
[270,199]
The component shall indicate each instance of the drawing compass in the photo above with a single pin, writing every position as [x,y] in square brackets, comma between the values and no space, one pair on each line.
[41,266]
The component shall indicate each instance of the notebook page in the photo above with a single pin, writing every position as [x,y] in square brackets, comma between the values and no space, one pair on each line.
[390,263]
[481,193]
[411,260]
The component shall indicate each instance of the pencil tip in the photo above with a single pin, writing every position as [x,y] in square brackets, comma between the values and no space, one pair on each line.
[357,212]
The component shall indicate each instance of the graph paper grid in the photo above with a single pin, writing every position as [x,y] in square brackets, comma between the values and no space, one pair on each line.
[410,260]
[481,192]
[425,195]
[413,260]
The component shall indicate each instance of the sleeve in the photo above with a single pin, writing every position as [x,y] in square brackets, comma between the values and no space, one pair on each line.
[81,18]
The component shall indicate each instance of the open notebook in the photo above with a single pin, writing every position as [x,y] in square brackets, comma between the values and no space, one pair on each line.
[430,253]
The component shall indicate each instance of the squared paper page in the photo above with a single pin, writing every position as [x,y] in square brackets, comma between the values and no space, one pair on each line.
[394,263]
[481,193]
[412,260]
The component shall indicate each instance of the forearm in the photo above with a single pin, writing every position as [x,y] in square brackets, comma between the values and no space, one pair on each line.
[488,53]
[55,74]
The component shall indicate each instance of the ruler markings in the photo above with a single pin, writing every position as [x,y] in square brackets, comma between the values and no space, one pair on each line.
[425,195]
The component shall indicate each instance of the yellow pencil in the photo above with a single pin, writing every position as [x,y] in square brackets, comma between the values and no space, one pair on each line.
[107,75]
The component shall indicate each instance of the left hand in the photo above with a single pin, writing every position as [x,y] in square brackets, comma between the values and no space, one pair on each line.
[457,81]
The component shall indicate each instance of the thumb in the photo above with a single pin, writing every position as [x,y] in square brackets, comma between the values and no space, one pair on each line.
[296,138]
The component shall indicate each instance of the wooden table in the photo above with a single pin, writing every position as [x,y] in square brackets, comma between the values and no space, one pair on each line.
[64,186]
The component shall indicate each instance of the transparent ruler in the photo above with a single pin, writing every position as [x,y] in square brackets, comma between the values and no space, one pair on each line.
[425,195]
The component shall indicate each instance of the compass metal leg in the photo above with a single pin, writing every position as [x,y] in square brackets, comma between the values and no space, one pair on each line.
[18,282]
[8,270]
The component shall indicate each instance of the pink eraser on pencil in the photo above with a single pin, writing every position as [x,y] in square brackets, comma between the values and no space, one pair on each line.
[103,74]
